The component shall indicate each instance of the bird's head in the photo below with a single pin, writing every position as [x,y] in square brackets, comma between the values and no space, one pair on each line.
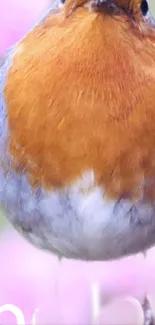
[135,10]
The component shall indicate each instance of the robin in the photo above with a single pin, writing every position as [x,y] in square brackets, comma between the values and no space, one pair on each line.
[77,130]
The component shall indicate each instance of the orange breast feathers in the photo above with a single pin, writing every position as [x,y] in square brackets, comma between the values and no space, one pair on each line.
[80,96]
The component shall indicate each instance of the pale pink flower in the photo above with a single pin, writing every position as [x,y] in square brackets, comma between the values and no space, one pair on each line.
[72,292]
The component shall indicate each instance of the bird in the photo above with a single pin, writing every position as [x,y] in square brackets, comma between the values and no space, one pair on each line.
[77,130]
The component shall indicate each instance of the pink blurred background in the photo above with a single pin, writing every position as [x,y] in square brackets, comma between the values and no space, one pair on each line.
[17,17]
[64,292]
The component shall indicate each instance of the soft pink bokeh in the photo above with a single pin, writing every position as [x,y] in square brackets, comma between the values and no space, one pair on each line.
[30,279]
[16,17]
[62,291]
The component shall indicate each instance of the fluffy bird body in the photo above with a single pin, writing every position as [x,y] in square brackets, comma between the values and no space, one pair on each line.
[77,131]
